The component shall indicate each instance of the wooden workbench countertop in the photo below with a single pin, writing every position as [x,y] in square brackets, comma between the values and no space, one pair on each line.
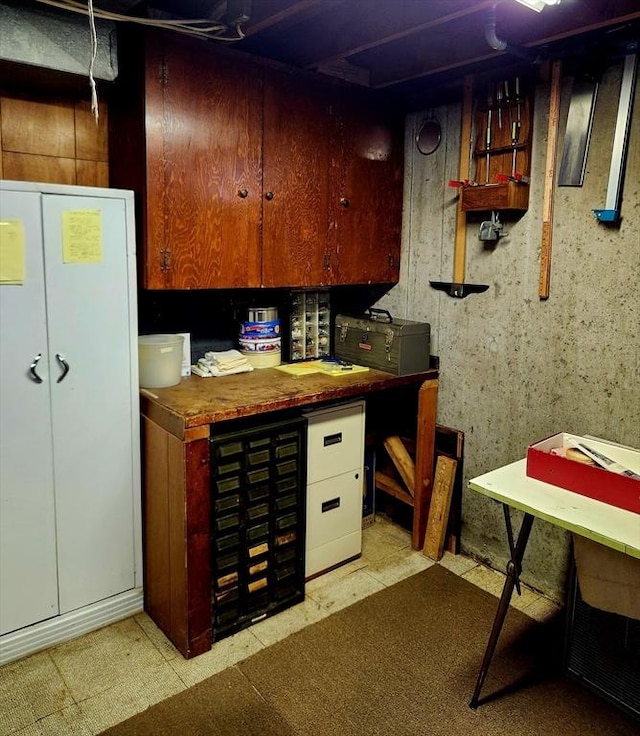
[187,409]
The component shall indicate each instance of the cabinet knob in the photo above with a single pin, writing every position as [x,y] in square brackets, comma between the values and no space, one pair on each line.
[345,202]
[269,196]
[243,193]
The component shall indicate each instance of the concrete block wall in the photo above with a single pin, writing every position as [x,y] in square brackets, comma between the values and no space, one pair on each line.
[515,369]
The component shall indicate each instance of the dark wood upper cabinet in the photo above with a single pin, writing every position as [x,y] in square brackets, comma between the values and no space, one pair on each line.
[366,190]
[210,195]
[202,145]
[248,174]
[332,184]
[295,208]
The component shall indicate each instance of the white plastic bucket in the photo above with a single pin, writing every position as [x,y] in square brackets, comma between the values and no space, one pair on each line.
[160,360]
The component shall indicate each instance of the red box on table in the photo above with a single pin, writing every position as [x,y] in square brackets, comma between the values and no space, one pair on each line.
[587,480]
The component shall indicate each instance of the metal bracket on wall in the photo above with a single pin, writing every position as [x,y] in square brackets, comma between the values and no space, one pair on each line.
[611,211]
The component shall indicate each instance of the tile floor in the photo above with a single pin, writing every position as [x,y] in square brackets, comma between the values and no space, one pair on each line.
[84,686]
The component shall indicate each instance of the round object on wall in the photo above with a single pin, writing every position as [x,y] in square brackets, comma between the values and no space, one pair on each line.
[429,136]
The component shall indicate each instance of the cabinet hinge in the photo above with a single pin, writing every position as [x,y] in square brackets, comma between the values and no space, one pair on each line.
[327,262]
[165,260]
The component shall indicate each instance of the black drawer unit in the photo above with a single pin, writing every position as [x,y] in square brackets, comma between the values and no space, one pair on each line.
[258,481]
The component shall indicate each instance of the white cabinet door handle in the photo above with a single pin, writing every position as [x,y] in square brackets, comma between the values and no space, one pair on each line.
[32,368]
[65,367]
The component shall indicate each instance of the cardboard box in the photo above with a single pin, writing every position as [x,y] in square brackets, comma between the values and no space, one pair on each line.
[608,579]
[598,483]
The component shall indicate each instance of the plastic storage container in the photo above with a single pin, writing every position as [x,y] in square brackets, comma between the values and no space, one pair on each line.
[160,360]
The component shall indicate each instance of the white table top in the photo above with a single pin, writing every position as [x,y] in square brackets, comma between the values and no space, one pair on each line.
[601,522]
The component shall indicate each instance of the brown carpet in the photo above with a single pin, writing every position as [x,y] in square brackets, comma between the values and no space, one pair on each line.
[402,662]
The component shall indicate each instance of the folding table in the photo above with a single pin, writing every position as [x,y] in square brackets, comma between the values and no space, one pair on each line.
[600,522]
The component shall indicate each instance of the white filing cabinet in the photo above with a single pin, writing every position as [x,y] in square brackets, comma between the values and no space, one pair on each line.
[335,476]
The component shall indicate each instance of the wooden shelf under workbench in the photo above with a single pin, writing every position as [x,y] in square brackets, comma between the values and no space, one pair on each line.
[176,424]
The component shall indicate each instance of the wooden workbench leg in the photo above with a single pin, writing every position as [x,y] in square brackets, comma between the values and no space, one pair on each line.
[198,547]
[425,456]
[177,538]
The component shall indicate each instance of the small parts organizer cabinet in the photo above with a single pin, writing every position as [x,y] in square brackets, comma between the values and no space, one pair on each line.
[335,476]
[257,525]
[310,325]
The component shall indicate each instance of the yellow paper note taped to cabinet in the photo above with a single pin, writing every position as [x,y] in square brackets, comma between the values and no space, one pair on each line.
[82,236]
[12,268]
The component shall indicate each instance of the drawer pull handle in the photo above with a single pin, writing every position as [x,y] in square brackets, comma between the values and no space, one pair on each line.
[333,503]
[333,439]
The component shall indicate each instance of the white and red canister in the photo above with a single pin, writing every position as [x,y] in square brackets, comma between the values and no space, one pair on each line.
[260,339]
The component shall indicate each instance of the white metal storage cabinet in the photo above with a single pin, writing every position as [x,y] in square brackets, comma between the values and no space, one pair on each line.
[335,476]
[70,521]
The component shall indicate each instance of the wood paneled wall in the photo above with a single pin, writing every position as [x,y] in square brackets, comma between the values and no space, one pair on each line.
[53,139]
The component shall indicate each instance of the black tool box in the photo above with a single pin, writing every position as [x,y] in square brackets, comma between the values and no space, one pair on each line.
[378,340]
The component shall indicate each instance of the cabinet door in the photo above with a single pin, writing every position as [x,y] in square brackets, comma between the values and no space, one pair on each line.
[366,194]
[204,138]
[88,314]
[297,117]
[28,585]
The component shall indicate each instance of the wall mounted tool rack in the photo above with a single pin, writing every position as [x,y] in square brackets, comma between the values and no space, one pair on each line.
[502,150]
